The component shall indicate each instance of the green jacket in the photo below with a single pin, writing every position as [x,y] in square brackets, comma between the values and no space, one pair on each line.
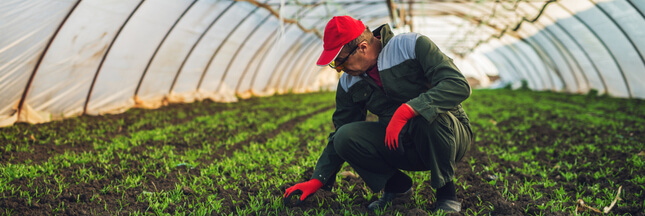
[412,70]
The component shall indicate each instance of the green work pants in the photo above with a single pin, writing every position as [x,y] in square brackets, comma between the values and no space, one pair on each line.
[435,146]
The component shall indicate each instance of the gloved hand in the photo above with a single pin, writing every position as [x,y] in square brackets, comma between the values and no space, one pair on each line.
[400,117]
[306,188]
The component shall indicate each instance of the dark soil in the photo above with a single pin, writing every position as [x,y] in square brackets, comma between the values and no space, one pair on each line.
[84,198]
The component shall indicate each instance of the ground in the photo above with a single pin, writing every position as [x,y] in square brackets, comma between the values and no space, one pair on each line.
[535,153]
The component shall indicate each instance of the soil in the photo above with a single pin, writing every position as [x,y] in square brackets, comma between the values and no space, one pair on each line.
[83,198]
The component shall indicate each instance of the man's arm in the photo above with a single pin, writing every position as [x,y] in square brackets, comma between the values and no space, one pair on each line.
[450,87]
[346,111]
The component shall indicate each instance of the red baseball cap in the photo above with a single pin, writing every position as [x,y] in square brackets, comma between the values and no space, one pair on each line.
[339,31]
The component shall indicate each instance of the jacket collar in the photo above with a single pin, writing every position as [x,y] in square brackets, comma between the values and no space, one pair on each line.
[384,32]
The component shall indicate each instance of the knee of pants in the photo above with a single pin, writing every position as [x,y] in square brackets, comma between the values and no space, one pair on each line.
[343,140]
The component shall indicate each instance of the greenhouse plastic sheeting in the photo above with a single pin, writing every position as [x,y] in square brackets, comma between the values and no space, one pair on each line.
[64,58]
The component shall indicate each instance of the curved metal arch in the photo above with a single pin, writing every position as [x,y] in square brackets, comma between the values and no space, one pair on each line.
[299,69]
[572,38]
[301,66]
[89,93]
[502,65]
[554,68]
[524,59]
[358,17]
[548,63]
[561,43]
[485,15]
[458,12]
[557,44]
[181,67]
[517,64]
[622,73]
[264,56]
[629,38]
[519,31]
[40,59]
[635,7]
[228,67]
[272,82]
[308,71]
[263,46]
[569,58]
[502,32]
[281,67]
[540,50]
[535,48]
[512,64]
[547,60]
[475,20]
[145,71]
[308,76]
[253,58]
[527,74]
[267,52]
[288,52]
[219,47]
[484,10]
[272,11]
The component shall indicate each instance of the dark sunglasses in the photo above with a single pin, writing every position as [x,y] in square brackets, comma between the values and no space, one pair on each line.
[339,63]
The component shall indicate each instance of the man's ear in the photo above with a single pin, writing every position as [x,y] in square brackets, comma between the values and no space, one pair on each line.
[363,46]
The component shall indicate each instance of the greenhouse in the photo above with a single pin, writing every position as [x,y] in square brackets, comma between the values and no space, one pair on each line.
[223,107]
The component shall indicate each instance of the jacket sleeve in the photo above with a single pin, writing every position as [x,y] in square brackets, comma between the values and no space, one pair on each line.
[449,86]
[346,111]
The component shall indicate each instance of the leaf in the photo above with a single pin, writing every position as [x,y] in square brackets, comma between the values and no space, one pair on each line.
[348,174]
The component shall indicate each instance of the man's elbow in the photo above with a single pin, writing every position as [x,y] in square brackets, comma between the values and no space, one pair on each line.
[467,89]
[463,90]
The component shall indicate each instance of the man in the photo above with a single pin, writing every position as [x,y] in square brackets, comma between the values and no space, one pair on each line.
[415,90]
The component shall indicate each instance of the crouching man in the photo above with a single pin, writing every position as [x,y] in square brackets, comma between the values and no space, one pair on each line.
[415,90]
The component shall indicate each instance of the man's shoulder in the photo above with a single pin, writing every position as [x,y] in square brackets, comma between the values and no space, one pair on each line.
[407,36]
[399,49]
[347,81]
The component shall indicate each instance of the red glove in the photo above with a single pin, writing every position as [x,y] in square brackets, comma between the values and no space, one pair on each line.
[307,188]
[400,117]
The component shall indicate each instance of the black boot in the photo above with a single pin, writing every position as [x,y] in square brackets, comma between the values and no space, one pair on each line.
[398,186]
[447,206]
[387,198]
[447,199]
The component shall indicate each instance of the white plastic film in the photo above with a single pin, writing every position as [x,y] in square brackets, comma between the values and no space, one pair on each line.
[238,68]
[599,55]
[555,65]
[266,35]
[629,47]
[27,27]
[270,62]
[198,61]
[147,53]
[533,63]
[65,76]
[124,64]
[219,77]
[167,64]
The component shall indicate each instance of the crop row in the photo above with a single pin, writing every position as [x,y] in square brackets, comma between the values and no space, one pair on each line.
[551,150]
[204,138]
[536,153]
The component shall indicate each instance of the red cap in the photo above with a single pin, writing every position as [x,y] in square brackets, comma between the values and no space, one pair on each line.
[339,31]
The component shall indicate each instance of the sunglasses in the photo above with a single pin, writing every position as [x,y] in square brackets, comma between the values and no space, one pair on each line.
[339,64]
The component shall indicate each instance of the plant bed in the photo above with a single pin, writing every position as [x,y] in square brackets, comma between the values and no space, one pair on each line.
[535,153]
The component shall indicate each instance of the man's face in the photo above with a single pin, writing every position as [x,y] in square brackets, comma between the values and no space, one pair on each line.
[349,61]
